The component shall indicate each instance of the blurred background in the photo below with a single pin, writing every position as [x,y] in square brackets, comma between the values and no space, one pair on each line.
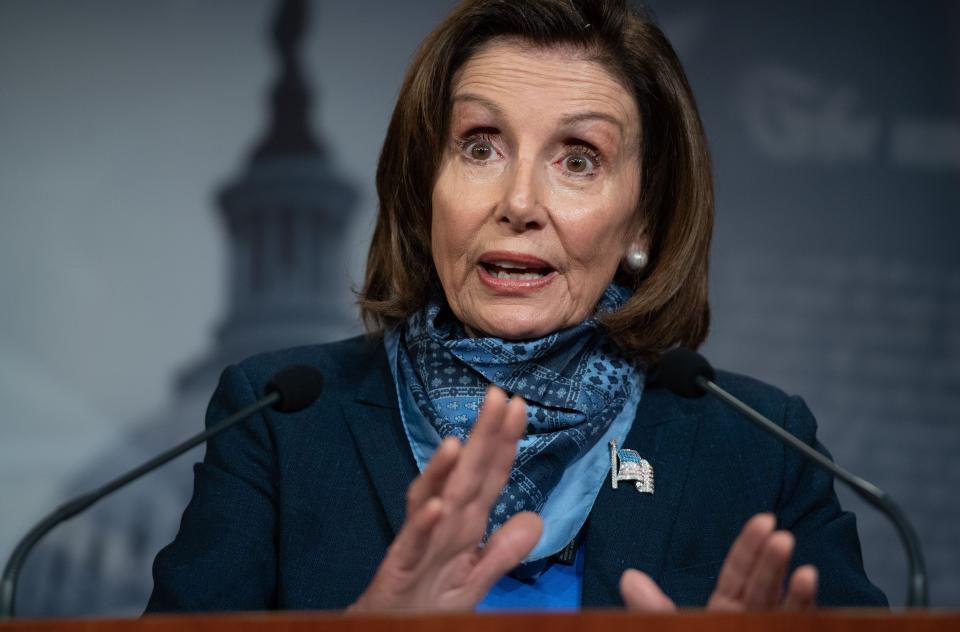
[187,182]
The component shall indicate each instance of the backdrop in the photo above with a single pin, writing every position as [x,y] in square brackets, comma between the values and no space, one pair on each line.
[161,215]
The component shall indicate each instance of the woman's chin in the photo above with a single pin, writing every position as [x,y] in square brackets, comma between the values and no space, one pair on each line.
[512,326]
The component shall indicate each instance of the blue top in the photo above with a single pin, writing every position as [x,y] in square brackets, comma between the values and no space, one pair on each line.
[558,588]
[296,511]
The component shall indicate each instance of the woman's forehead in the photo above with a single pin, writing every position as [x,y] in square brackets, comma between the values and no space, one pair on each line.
[561,81]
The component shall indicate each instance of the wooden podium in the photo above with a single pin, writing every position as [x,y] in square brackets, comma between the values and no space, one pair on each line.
[593,621]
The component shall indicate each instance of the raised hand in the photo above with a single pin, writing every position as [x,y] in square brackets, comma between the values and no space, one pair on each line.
[751,577]
[436,562]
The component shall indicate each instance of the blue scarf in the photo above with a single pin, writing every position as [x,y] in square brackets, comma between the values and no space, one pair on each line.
[575,382]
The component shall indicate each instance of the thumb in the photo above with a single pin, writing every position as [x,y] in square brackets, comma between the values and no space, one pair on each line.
[640,592]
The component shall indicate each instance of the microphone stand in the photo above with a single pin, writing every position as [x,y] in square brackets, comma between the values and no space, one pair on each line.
[917,583]
[8,584]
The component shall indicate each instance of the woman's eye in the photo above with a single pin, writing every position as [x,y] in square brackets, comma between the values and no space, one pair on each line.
[480,150]
[578,163]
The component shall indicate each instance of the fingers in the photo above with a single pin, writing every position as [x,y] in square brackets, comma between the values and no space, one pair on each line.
[753,574]
[430,483]
[505,550]
[435,556]
[460,484]
[413,541]
[499,427]
[486,458]
[504,455]
[639,592]
[467,479]
[740,561]
[802,591]
[424,506]
[764,587]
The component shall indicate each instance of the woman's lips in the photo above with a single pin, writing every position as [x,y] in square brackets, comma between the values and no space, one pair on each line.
[514,272]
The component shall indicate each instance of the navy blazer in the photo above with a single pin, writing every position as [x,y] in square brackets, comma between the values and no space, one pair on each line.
[295,511]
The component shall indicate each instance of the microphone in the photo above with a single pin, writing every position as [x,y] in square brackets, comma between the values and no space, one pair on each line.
[688,374]
[292,389]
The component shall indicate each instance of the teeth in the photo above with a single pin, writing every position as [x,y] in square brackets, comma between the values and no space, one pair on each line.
[507,264]
[522,276]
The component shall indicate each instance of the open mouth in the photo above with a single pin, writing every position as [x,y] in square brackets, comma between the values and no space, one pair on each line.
[515,271]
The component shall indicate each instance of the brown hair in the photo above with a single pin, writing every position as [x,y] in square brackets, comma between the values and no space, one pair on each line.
[669,306]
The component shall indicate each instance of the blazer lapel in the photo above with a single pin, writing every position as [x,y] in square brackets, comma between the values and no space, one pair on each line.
[374,422]
[627,529]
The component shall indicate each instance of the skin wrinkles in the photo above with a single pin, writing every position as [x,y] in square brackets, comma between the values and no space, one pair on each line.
[535,109]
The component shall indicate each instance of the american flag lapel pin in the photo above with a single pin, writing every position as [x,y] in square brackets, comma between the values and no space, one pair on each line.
[628,465]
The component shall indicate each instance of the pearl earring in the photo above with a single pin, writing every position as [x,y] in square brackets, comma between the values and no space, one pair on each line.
[636,260]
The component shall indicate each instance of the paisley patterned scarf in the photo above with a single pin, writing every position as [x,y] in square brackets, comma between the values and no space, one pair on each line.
[575,382]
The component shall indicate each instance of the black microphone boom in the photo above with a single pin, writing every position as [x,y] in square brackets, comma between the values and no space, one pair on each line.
[290,390]
[688,374]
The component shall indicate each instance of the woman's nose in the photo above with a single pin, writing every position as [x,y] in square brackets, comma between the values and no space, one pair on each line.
[522,204]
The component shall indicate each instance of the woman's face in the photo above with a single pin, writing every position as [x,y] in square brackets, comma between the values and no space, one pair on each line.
[535,195]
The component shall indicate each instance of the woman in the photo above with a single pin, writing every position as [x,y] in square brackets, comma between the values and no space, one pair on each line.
[545,215]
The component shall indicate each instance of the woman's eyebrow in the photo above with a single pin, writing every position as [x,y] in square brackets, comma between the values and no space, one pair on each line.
[482,101]
[572,119]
